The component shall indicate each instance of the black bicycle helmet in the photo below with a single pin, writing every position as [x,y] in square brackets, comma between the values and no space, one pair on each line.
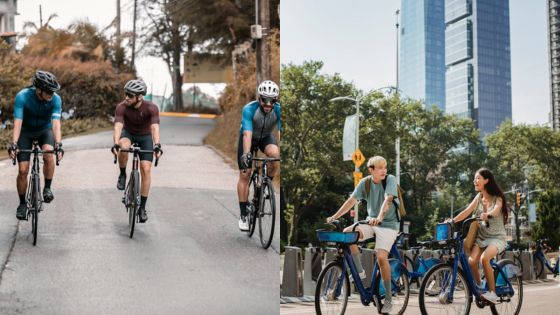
[136,87]
[45,81]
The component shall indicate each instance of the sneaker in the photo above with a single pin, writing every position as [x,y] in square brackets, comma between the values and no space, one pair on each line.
[490,297]
[21,212]
[143,215]
[121,182]
[47,195]
[387,307]
[243,224]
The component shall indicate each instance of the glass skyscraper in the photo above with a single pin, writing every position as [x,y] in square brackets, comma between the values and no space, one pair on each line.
[478,61]
[422,51]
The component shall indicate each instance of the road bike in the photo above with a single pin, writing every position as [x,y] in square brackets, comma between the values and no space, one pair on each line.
[449,287]
[33,197]
[333,284]
[262,201]
[131,198]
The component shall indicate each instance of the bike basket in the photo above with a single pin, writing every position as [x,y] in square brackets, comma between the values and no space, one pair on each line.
[442,231]
[337,237]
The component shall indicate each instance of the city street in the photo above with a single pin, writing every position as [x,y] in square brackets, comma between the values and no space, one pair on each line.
[538,298]
[189,257]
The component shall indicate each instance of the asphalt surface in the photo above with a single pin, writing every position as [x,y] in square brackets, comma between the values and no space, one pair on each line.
[189,258]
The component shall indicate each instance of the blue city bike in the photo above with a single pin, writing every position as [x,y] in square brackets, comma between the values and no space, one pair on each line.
[540,260]
[333,284]
[449,287]
[416,266]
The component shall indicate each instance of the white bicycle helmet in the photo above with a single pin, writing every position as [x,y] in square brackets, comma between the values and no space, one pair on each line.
[268,88]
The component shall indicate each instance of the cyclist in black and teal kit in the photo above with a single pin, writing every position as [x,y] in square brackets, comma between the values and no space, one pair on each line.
[37,111]
[258,121]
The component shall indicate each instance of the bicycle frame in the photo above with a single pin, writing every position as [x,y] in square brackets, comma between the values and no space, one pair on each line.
[539,254]
[462,259]
[367,295]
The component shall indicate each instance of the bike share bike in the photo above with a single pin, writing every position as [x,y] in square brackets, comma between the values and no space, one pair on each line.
[262,201]
[333,285]
[131,198]
[449,287]
[417,266]
[540,260]
[33,197]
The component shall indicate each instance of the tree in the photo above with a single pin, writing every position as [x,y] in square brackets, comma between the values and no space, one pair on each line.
[169,37]
[313,129]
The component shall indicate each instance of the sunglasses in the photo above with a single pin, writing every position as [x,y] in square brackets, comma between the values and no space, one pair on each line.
[49,93]
[129,95]
[268,100]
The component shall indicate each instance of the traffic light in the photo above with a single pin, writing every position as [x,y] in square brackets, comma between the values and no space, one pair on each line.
[518,199]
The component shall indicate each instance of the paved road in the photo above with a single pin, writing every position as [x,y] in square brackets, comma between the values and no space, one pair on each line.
[539,298]
[188,258]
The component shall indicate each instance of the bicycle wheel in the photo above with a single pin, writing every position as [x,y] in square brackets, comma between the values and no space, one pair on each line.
[267,213]
[36,204]
[133,203]
[510,301]
[401,294]
[433,296]
[538,266]
[252,209]
[332,291]
[518,262]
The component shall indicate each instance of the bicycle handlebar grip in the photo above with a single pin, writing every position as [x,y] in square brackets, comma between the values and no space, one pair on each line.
[57,161]
[14,161]
[157,160]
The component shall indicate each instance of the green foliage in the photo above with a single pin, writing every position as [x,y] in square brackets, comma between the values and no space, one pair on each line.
[316,179]
[548,218]
[91,88]
[13,76]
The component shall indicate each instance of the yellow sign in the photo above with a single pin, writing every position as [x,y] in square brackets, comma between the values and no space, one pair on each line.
[358,158]
[357,178]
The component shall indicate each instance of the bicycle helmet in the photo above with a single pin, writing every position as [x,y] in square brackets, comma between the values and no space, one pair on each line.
[268,88]
[136,87]
[45,81]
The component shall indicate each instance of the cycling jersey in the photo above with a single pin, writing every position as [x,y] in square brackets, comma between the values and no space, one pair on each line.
[256,120]
[138,121]
[35,114]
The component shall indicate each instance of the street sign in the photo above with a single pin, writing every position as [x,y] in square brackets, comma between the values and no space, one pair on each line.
[349,138]
[358,158]
[357,178]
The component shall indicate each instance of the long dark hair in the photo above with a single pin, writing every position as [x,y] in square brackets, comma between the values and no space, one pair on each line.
[493,189]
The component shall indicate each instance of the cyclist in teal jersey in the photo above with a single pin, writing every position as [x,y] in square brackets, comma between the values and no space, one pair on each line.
[37,111]
[258,121]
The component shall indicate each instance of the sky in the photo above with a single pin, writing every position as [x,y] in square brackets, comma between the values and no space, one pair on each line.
[357,39]
[101,13]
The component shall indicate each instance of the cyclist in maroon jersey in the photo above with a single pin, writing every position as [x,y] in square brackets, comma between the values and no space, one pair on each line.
[137,121]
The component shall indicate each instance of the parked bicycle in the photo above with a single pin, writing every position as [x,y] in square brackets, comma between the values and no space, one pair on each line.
[33,197]
[516,251]
[456,287]
[333,284]
[131,198]
[262,201]
[540,260]
[416,266]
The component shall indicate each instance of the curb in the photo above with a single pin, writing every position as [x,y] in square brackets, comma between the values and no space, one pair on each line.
[205,116]
[294,299]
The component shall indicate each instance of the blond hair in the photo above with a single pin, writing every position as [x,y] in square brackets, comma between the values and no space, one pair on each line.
[376,161]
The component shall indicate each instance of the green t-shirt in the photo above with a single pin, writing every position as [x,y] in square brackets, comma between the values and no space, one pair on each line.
[376,197]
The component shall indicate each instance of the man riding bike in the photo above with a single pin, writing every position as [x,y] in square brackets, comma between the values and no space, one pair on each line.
[258,120]
[37,111]
[137,121]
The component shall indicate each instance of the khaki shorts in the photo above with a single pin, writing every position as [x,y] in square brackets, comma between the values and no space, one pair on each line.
[384,237]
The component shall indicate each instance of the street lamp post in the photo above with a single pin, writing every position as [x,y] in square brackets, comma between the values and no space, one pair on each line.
[398,141]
